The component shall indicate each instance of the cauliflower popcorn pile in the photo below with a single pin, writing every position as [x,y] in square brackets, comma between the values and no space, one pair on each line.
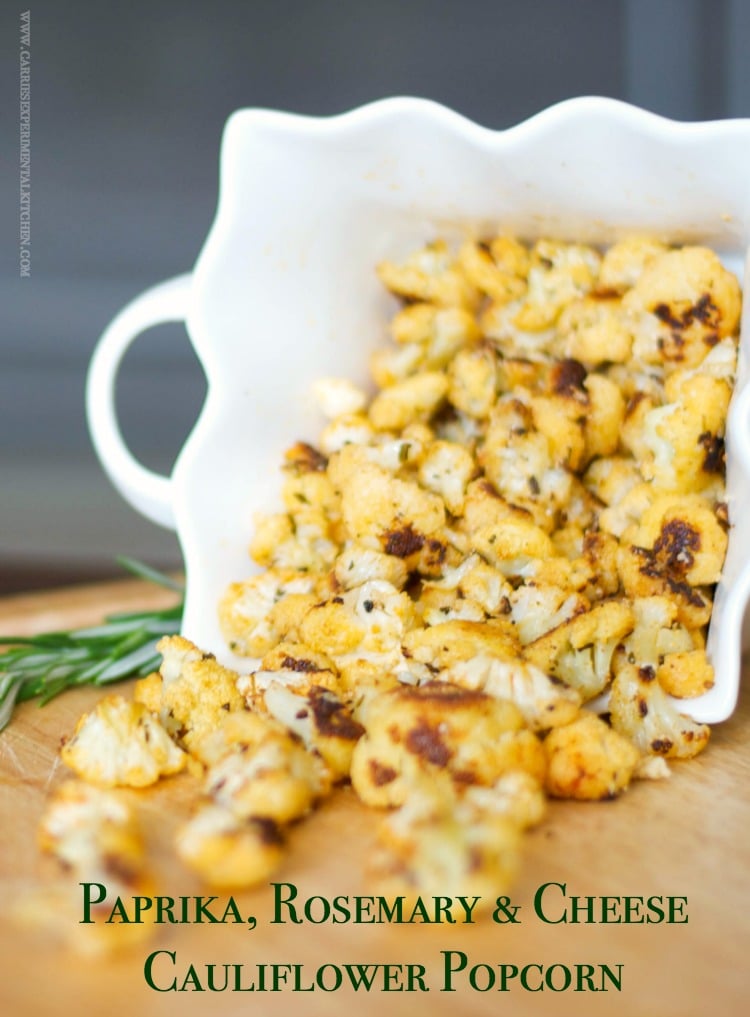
[528,515]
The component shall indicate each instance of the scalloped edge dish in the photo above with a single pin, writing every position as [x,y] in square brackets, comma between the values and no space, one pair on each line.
[284,291]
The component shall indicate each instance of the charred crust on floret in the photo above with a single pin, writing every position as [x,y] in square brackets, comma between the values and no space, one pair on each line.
[661,746]
[646,674]
[331,717]
[117,867]
[305,459]
[381,774]
[267,829]
[567,377]
[442,692]
[425,740]
[714,460]
[299,664]
[676,544]
[633,403]
[654,569]
[703,310]
[403,542]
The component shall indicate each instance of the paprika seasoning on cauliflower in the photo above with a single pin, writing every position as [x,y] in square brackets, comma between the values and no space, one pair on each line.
[529,514]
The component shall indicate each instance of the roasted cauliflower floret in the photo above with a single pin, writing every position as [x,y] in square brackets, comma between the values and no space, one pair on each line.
[351,429]
[642,711]
[322,721]
[338,396]
[646,573]
[683,303]
[473,382]
[429,274]
[624,262]
[267,774]
[376,506]
[197,693]
[415,399]
[682,443]
[559,274]
[587,760]
[542,702]
[244,611]
[121,744]
[228,852]
[538,608]
[436,843]
[441,645]
[95,833]
[436,728]
[357,565]
[518,461]
[440,331]
[686,539]
[593,330]
[446,470]
[580,650]
[499,281]
[686,674]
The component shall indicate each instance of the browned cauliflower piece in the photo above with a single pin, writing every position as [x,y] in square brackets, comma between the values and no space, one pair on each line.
[645,573]
[121,744]
[683,303]
[446,470]
[518,461]
[605,415]
[542,702]
[298,665]
[265,773]
[228,852]
[439,646]
[559,273]
[593,331]
[95,833]
[434,728]
[322,721]
[686,674]
[473,381]
[440,331]
[685,537]
[245,609]
[429,274]
[642,711]
[657,633]
[623,263]
[357,565]
[197,693]
[435,845]
[381,511]
[499,281]
[588,760]
[580,650]
[405,402]
[538,608]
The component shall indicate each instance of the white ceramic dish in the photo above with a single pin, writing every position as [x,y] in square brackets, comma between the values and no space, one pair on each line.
[284,291]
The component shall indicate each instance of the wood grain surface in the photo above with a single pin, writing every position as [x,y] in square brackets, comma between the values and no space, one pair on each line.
[688,837]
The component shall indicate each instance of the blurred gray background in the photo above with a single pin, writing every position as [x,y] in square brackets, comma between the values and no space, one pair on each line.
[128,105]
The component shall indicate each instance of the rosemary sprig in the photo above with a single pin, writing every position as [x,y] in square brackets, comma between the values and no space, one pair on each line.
[123,646]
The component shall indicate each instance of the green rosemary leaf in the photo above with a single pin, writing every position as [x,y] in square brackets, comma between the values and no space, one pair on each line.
[122,646]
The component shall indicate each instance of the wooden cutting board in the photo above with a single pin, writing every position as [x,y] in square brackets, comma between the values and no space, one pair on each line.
[687,837]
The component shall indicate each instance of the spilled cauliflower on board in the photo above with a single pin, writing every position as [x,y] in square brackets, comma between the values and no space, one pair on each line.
[528,514]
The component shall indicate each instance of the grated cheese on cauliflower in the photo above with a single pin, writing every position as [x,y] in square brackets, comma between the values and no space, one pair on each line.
[529,512]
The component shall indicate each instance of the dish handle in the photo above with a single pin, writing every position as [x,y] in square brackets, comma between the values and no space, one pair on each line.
[148,492]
